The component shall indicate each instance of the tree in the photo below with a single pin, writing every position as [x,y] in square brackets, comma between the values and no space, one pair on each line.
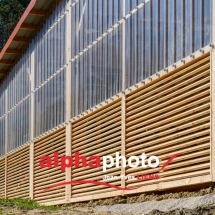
[10,13]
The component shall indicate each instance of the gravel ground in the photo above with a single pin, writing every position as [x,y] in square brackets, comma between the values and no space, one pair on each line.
[200,205]
[173,205]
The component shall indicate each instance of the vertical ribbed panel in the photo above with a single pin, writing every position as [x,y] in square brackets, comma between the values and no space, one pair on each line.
[131,4]
[2,136]
[18,174]
[2,102]
[2,178]
[50,104]
[92,18]
[163,32]
[46,177]
[50,46]
[18,81]
[168,117]
[98,134]
[97,73]
[18,125]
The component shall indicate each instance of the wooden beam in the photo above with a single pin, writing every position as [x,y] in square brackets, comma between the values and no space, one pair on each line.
[36,12]
[7,62]
[68,153]
[13,51]
[212,90]
[28,26]
[21,39]
[32,153]
[3,72]
[123,139]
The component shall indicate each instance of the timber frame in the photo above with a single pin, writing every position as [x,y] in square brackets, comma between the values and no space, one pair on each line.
[171,111]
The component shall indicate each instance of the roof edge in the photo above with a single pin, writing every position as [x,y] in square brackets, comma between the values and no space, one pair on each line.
[22,19]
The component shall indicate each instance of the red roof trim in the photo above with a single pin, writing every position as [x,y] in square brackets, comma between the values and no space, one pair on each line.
[27,11]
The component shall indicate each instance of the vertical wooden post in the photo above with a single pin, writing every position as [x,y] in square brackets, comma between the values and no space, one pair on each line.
[31,186]
[5,177]
[123,97]
[68,99]
[123,141]
[212,94]
[68,152]
[6,140]
[213,23]
[212,145]
[123,49]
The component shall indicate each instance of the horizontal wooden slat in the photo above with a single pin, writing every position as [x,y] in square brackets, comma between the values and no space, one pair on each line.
[171,147]
[167,103]
[99,136]
[94,128]
[185,132]
[170,108]
[204,61]
[100,150]
[153,134]
[98,122]
[95,134]
[170,121]
[100,112]
[92,144]
[171,94]
[94,188]
[168,89]
[104,190]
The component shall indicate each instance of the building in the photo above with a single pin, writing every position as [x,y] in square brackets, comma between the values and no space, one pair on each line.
[101,77]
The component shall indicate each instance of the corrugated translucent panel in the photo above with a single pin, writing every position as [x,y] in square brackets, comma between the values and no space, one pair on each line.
[2,101]
[2,136]
[18,81]
[90,19]
[131,4]
[18,126]
[50,104]
[50,48]
[62,7]
[163,32]
[97,74]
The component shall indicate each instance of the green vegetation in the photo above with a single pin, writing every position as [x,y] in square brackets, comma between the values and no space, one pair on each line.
[24,204]
[10,13]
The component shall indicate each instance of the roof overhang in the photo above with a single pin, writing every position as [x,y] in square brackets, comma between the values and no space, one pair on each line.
[30,23]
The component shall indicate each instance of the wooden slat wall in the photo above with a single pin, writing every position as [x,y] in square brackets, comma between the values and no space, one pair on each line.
[18,173]
[98,134]
[171,116]
[2,178]
[165,117]
[45,177]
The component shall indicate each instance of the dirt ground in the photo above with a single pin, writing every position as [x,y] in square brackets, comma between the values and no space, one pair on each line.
[20,211]
[207,210]
[90,208]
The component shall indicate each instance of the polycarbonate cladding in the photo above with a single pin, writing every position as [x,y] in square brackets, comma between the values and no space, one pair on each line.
[156,35]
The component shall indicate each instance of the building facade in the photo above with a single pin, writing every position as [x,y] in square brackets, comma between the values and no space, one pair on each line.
[96,58]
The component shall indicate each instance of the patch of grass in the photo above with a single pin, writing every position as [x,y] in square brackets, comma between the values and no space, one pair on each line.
[25,204]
